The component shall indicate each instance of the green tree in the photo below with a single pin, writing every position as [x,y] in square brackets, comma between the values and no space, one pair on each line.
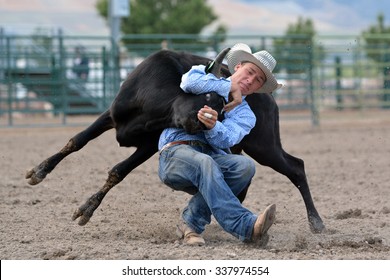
[377,39]
[165,17]
[295,50]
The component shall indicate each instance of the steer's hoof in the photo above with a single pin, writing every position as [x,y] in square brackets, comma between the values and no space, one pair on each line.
[34,176]
[86,210]
[316,225]
[84,219]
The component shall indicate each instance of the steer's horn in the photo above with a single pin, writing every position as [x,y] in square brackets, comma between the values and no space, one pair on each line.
[214,67]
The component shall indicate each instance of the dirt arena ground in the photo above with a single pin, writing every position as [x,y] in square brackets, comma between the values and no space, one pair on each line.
[347,164]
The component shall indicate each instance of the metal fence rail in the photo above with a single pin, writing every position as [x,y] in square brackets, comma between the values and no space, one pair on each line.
[42,74]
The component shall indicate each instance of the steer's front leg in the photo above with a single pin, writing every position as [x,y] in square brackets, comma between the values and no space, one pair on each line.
[77,142]
[85,211]
[115,176]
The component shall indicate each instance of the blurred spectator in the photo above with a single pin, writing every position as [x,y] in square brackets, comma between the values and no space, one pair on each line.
[80,64]
[164,45]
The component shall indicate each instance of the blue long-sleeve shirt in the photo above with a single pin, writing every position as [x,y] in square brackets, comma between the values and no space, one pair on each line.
[237,123]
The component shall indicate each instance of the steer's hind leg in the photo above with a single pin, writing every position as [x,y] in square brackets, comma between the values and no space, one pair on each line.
[102,124]
[294,169]
[115,175]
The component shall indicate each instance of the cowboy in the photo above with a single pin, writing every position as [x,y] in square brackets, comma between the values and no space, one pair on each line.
[199,164]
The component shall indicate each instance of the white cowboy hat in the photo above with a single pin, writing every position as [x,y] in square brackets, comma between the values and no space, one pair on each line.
[262,59]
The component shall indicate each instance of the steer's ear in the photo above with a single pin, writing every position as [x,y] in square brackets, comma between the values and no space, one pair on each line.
[214,67]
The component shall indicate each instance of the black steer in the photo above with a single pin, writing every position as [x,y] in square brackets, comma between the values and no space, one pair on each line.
[144,106]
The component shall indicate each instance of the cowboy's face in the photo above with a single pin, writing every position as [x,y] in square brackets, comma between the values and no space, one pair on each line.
[250,77]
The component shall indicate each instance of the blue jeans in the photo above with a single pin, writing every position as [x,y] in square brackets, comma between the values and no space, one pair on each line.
[218,179]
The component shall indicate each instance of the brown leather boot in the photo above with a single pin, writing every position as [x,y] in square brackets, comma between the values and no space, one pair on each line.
[262,225]
[190,237]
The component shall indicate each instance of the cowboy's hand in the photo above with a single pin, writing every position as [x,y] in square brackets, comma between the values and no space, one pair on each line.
[235,97]
[208,116]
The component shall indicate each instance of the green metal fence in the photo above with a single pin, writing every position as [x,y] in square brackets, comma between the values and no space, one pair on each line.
[42,75]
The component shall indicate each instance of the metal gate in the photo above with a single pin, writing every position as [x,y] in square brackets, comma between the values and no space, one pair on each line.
[47,79]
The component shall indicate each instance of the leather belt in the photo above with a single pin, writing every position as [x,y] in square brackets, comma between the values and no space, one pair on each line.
[183,142]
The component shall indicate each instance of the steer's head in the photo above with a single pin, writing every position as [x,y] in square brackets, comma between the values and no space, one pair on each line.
[189,120]
[186,106]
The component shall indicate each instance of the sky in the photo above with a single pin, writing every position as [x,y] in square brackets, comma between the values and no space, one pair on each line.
[266,17]
[273,16]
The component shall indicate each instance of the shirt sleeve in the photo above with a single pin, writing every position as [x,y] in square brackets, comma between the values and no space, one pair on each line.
[196,81]
[233,128]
